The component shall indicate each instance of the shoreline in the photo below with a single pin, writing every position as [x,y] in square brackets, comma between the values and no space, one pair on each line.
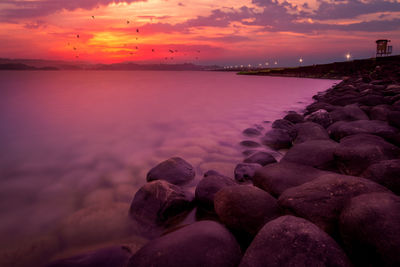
[343,152]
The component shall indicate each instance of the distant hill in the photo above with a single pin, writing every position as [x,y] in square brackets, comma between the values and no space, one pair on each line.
[20,66]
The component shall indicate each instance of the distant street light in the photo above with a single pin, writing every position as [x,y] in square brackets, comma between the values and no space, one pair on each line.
[275,62]
[348,56]
[266,63]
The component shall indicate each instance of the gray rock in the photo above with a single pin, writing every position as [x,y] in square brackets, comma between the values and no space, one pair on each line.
[379,112]
[394,118]
[357,152]
[251,132]
[322,200]
[293,241]
[371,100]
[321,116]
[370,229]
[158,201]
[277,139]
[245,171]
[249,143]
[262,158]
[276,178]
[285,125]
[386,173]
[348,113]
[245,208]
[204,243]
[294,117]
[307,131]
[319,105]
[174,170]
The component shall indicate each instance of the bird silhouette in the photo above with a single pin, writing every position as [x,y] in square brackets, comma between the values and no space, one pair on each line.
[152,50]
[77,36]
[92,17]
[137,30]
[127,22]
[74,48]
[171,51]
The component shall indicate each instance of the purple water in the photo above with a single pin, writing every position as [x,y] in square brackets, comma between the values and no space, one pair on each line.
[76,146]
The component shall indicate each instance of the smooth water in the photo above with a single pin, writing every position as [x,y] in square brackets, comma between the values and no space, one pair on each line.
[76,145]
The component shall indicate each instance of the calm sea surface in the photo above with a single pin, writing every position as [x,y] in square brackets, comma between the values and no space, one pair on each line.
[77,145]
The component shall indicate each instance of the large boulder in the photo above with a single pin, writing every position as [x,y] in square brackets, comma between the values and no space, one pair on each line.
[262,158]
[356,153]
[158,201]
[307,131]
[293,241]
[380,112]
[371,100]
[394,118]
[294,117]
[209,186]
[116,256]
[277,139]
[249,143]
[348,113]
[370,229]
[204,243]
[319,105]
[321,200]
[251,132]
[386,173]
[174,170]
[321,116]
[245,208]
[315,153]
[285,125]
[276,178]
[341,129]
[245,171]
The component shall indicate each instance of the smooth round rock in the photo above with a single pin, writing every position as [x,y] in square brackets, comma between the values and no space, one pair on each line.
[293,241]
[277,139]
[321,116]
[380,112]
[294,117]
[322,200]
[158,201]
[245,208]
[370,229]
[315,153]
[276,178]
[174,170]
[262,158]
[307,131]
[245,171]
[318,106]
[394,118]
[285,125]
[386,173]
[356,153]
[249,143]
[251,132]
[348,113]
[204,243]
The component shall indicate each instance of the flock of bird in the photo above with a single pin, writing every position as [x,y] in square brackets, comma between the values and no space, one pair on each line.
[171,51]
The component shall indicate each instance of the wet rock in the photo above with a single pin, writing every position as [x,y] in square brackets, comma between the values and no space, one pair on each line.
[245,171]
[370,229]
[249,143]
[117,256]
[294,117]
[307,131]
[321,116]
[277,139]
[372,100]
[245,208]
[262,158]
[322,200]
[348,113]
[251,132]
[315,153]
[344,100]
[386,173]
[379,112]
[356,152]
[158,201]
[319,105]
[211,172]
[248,152]
[341,129]
[394,118]
[276,178]
[208,187]
[293,241]
[174,170]
[285,125]
[204,243]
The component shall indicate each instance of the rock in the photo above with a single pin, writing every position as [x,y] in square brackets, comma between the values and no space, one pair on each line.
[341,129]
[262,158]
[276,178]
[348,113]
[294,117]
[394,118]
[307,131]
[379,112]
[249,143]
[315,153]
[211,172]
[321,116]
[251,132]
[321,200]
[174,170]
[386,173]
[319,105]
[370,229]
[248,152]
[204,243]
[371,100]
[285,125]
[245,171]
[158,201]
[117,256]
[207,188]
[356,152]
[293,241]
[344,100]
[277,139]
[245,208]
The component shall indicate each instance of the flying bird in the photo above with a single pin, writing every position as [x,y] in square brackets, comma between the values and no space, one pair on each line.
[137,30]
[77,36]
[171,51]
[127,22]
[152,50]
[137,47]
[74,48]
[92,17]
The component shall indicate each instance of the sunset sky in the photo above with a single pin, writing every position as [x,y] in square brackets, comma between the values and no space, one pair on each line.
[224,32]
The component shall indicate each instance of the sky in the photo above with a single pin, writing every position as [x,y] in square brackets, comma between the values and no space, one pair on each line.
[226,32]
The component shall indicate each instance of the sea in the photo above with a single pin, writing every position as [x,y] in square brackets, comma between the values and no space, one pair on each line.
[76,146]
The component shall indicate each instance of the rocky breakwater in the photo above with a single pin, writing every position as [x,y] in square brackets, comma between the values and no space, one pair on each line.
[332,199]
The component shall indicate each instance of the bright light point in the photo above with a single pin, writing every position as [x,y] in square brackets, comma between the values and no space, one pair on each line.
[348,56]
[266,63]
[275,62]
[300,60]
